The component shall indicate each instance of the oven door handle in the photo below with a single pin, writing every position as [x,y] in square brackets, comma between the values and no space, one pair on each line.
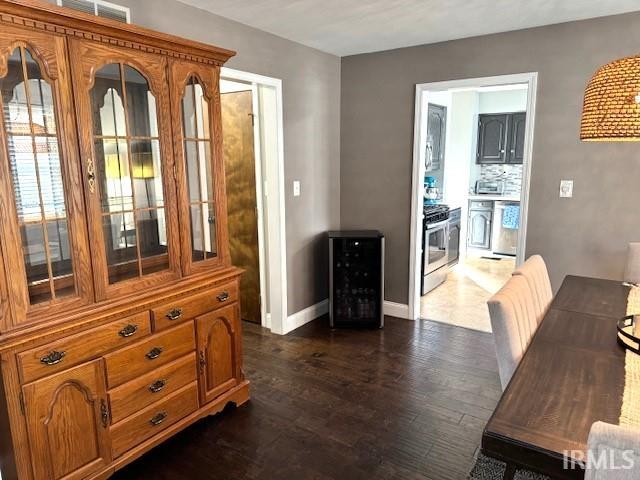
[433,226]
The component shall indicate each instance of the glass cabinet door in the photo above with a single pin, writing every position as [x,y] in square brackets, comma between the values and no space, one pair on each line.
[45,246]
[128,166]
[197,147]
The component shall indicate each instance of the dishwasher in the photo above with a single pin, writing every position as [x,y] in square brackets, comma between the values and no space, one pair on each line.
[505,237]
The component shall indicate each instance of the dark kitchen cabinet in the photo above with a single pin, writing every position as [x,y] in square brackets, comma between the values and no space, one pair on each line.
[436,137]
[501,138]
[517,125]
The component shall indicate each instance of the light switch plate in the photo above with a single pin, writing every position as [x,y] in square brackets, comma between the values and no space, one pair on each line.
[296,188]
[566,188]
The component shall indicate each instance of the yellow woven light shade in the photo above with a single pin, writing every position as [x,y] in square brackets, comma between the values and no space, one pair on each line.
[611,108]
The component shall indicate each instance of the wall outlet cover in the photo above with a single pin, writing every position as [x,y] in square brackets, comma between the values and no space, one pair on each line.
[566,188]
[296,188]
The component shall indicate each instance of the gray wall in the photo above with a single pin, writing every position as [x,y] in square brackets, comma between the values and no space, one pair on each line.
[585,235]
[311,91]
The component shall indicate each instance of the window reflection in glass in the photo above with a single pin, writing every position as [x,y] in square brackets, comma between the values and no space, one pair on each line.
[129,169]
[199,172]
[29,117]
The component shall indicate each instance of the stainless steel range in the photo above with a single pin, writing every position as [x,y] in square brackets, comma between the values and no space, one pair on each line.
[435,246]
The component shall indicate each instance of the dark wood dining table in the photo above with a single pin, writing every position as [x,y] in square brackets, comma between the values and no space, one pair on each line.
[572,375]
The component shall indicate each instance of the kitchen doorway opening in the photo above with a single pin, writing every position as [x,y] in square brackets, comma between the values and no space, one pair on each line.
[472,165]
[252,127]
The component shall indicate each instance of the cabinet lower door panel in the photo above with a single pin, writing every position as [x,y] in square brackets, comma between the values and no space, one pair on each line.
[67,421]
[218,347]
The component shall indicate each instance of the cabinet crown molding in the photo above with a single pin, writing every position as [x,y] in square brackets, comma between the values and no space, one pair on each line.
[40,15]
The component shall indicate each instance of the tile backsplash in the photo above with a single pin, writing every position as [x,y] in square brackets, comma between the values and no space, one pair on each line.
[511,174]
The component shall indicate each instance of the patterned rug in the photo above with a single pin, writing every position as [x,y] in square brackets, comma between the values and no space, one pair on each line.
[487,468]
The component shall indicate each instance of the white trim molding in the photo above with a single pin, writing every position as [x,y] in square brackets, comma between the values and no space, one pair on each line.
[273,261]
[415,239]
[398,310]
[307,315]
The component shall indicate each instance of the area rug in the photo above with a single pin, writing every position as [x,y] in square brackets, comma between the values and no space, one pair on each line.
[487,468]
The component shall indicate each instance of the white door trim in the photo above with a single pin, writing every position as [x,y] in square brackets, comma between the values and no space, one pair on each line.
[276,259]
[415,244]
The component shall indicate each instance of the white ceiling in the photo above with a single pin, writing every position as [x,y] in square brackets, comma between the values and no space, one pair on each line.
[347,27]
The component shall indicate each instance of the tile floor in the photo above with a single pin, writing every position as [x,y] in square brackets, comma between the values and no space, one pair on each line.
[462,299]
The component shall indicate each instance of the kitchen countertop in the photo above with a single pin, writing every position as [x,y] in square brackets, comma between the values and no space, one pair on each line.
[491,198]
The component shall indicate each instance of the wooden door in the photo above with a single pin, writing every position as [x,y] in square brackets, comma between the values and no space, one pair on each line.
[492,138]
[479,229]
[517,127]
[219,351]
[44,236]
[436,136]
[68,423]
[242,218]
[195,106]
[122,102]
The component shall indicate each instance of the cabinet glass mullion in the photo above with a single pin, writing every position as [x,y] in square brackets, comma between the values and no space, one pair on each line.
[37,167]
[128,140]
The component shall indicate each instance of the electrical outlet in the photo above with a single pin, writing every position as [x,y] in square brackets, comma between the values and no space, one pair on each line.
[566,188]
[296,188]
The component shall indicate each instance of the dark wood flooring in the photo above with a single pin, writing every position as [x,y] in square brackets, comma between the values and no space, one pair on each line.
[406,402]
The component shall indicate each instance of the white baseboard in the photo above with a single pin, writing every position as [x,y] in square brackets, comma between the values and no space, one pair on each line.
[393,309]
[307,315]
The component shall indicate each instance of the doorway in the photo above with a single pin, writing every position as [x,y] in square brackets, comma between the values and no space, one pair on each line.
[472,164]
[251,107]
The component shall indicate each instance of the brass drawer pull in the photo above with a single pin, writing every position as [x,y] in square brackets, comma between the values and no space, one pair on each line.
[53,357]
[154,353]
[174,314]
[156,386]
[158,419]
[223,297]
[128,330]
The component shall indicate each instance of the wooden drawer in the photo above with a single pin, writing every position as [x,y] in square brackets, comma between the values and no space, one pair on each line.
[186,308]
[153,419]
[144,356]
[152,387]
[75,349]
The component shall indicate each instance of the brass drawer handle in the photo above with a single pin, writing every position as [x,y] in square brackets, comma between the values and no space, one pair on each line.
[174,314]
[158,419]
[53,357]
[223,297]
[128,330]
[156,386]
[154,353]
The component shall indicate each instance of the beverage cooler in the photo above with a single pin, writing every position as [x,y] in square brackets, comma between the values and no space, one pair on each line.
[356,279]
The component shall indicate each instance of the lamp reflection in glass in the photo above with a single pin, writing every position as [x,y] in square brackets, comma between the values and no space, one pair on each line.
[611,110]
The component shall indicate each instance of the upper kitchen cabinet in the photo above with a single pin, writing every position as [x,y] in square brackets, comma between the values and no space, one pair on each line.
[122,99]
[44,240]
[501,138]
[436,137]
[517,127]
[195,99]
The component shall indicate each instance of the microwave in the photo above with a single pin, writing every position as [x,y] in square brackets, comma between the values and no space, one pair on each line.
[490,187]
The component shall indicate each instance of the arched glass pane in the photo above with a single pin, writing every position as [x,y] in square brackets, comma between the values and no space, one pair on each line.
[129,171]
[197,152]
[30,123]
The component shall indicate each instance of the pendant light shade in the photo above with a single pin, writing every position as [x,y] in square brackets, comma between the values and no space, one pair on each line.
[611,110]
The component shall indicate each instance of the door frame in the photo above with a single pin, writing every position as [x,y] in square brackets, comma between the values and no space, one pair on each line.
[274,259]
[415,245]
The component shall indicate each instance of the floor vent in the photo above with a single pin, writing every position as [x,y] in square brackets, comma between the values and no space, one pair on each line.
[99,8]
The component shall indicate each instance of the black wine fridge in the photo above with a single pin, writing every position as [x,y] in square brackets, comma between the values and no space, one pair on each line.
[356,279]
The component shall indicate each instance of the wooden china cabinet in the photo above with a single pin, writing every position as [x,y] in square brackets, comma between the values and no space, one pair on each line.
[119,314]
